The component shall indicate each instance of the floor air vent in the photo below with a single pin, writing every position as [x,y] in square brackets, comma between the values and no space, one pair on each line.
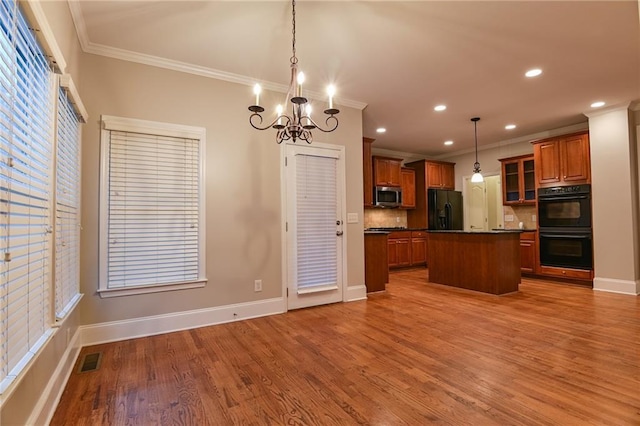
[90,362]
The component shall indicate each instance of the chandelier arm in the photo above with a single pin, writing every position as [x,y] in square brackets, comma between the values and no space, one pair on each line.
[257,125]
[329,128]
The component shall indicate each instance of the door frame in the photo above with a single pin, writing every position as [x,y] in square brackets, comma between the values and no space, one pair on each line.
[465,181]
[342,179]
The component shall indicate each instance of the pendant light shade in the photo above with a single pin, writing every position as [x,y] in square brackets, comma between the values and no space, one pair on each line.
[477,176]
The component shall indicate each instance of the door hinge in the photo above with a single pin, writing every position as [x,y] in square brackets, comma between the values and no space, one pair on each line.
[287,291]
[285,161]
[286,227]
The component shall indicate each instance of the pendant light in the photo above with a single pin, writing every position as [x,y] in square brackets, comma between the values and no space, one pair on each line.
[477,176]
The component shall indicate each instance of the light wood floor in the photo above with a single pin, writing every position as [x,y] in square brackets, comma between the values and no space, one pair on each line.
[552,354]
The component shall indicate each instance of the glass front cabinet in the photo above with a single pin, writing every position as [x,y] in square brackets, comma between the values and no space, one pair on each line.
[518,180]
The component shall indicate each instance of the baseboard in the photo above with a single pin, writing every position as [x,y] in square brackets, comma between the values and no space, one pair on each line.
[616,286]
[160,324]
[51,394]
[356,292]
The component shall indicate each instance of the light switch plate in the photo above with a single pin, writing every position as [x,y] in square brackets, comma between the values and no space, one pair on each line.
[508,218]
[533,217]
[352,217]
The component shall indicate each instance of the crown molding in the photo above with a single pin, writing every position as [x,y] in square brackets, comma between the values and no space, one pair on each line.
[156,61]
[527,138]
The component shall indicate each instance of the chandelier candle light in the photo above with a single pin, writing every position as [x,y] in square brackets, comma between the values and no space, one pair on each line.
[299,124]
[477,176]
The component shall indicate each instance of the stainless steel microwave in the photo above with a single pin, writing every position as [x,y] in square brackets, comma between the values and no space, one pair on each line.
[388,196]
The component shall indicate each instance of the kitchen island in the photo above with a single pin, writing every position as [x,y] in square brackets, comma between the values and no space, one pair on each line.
[486,261]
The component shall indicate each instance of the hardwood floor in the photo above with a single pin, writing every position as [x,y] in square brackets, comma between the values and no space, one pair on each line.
[551,354]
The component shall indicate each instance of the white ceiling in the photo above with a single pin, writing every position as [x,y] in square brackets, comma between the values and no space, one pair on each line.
[400,59]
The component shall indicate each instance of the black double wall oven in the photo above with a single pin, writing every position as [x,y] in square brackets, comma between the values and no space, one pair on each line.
[564,217]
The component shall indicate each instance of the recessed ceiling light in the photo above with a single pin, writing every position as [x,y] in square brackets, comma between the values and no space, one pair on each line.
[510,126]
[533,73]
[448,142]
[440,107]
[381,130]
[597,104]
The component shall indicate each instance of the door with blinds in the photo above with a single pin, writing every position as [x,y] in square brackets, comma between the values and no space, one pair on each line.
[315,242]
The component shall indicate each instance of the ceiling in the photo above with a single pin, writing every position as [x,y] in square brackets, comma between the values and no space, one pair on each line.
[398,60]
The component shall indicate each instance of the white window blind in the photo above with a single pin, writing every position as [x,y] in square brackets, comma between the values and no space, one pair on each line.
[154,212]
[25,144]
[67,231]
[317,212]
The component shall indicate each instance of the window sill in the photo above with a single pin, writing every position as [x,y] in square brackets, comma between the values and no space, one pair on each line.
[157,288]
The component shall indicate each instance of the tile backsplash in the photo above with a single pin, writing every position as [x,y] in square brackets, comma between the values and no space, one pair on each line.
[524,214]
[385,218]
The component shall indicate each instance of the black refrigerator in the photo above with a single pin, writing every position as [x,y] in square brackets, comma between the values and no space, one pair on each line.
[445,209]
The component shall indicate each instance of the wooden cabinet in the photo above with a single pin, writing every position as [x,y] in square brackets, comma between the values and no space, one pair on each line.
[376,268]
[408,180]
[563,160]
[518,180]
[418,248]
[399,249]
[407,248]
[429,174]
[386,171]
[367,169]
[440,175]
[528,252]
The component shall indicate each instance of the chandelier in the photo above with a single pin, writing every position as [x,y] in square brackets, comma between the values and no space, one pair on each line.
[299,124]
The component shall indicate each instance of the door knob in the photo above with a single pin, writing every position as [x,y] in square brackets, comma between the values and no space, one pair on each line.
[338,233]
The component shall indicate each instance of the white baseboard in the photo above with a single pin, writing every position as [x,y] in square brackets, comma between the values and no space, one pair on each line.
[160,324]
[50,396]
[356,292]
[616,286]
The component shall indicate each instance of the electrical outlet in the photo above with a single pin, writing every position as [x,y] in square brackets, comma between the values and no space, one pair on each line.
[533,217]
[508,218]
[257,285]
[352,217]
[398,219]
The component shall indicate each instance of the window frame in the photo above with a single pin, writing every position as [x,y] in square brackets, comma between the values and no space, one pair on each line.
[113,123]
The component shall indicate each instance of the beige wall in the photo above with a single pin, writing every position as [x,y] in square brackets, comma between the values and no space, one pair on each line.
[243,188]
[24,396]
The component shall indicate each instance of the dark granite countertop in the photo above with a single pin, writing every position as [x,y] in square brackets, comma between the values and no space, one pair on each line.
[457,231]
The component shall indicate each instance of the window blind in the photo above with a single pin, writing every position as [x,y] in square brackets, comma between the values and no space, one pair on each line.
[153,209]
[317,212]
[67,231]
[25,144]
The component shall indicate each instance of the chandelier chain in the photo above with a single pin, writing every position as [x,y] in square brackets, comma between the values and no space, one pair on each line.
[294,59]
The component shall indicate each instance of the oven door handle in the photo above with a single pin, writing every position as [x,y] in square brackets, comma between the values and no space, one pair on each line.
[575,237]
[579,197]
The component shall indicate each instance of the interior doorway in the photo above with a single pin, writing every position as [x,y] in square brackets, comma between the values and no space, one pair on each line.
[483,204]
[315,188]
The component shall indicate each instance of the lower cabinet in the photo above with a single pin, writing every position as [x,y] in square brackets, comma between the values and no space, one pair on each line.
[407,248]
[418,248]
[528,251]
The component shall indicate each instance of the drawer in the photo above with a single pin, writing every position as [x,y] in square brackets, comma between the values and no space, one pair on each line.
[418,234]
[399,234]
[528,236]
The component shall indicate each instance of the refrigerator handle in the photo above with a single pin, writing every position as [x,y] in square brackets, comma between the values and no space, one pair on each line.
[447,213]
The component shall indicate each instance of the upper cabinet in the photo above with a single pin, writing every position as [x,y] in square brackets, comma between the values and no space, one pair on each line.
[440,175]
[518,180]
[563,160]
[367,168]
[408,178]
[386,171]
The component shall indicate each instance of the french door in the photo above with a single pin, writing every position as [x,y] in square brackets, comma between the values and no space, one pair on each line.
[315,188]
